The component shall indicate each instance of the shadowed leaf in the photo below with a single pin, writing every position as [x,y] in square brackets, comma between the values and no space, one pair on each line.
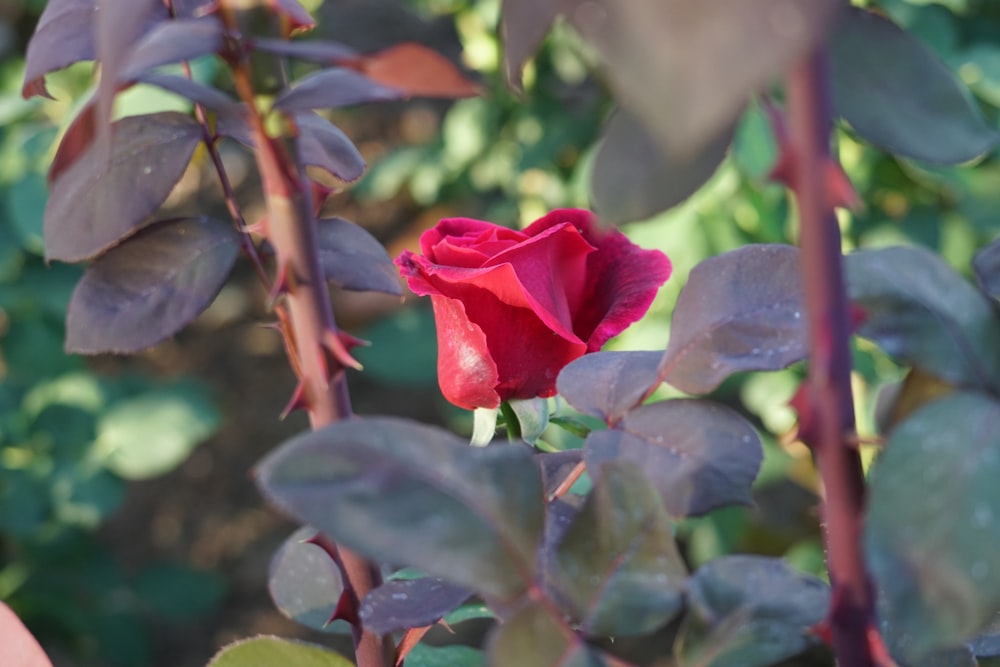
[171,42]
[305,583]
[64,36]
[410,603]
[986,265]
[634,179]
[698,454]
[523,25]
[920,311]
[417,71]
[332,88]
[354,259]
[272,651]
[149,287]
[556,466]
[608,384]
[96,202]
[533,638]
[899,96]
[404,492]
[190,89]
[423,655]
[19,648]
[711,54]
[313,50]
[322,144]
[618,563]
[740,311]
[932,537]
[749,611]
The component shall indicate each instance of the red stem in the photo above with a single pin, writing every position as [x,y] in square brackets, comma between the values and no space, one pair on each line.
[832,436]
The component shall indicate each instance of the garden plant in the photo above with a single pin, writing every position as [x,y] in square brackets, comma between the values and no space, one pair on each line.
[564,529]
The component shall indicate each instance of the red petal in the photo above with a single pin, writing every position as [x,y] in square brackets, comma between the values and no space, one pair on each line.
[466,371]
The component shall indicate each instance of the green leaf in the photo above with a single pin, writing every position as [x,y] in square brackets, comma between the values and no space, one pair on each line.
[423,655]
[155,432]
[416,495]
[933,532]
[273,651]
[533,638]
[532,416]
[920,311]
[748,611]
[618,564]
[896,94]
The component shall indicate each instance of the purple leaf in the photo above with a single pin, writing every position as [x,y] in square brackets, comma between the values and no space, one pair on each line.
[986,265]
[317,51]
[354,259]
[687,68]
[304,581]
[740,311]
[537,636]
[64,35]
[896,93]
[700,455]
[190,9]
[608,384]
[149,287]
[523,26]
[198,93]
[322,144]
[171,42]
[618,563]
[556,466]
[399,491]
[332,88]
[410,603]
[96,202]
[634,178]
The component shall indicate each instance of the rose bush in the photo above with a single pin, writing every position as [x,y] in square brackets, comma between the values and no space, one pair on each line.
[513,307]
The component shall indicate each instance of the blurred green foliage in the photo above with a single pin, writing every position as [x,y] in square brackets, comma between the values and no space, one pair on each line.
[69,439]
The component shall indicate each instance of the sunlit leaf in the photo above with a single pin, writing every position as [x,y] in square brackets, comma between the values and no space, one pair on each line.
[698,454]
[932,538]
[96,202]
[410,603]
[739,311]
[149,287]
[896,94]
[400,491]
[635,179]
[271,651]
[608,384]
[920,311]
[618,563]
[417,71]
[749,611]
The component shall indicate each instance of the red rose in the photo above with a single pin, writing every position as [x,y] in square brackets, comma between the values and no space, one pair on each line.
[513,307]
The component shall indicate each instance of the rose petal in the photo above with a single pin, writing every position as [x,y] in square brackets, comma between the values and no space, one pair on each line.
[466,371]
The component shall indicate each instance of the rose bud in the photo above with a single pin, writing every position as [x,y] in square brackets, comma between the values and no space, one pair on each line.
[512,308]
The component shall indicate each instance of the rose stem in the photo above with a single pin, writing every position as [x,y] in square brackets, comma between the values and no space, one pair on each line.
[291,229]
[851,613]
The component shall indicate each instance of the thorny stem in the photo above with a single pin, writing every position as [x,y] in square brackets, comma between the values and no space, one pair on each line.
[308,318]
[851,615]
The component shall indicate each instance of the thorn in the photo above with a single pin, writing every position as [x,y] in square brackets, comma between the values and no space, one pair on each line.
[409,640]
[339,345]
[822,632]
[839,189]
[280,285]
[446,626]
[877,648]
[858,316]
[260,227]
[346,610]
[804,406]
[298,401]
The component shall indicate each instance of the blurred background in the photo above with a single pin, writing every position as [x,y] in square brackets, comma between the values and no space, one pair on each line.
[130,533]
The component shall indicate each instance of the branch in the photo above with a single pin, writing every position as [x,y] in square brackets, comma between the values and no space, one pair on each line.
[832,431]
